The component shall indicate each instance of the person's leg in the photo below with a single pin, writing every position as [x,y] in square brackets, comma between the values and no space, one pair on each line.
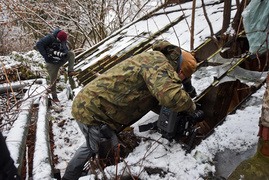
[76,164]
[71,61]
[88,149]
[70,58]
[53,73]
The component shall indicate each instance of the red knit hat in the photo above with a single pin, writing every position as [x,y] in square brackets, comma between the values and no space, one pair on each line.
[62,36]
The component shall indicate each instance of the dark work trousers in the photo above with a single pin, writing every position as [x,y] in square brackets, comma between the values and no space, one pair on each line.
[8,171]
[54,68]
[93,138]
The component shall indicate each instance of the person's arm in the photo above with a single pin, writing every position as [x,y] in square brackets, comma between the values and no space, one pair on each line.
[41,46]
[163,82]
[65,47]
[187,86]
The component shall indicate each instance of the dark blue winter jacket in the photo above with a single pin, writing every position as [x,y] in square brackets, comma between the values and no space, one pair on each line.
[50,42]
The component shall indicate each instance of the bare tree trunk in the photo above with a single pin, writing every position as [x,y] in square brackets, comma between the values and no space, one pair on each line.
[192,24]
[237,18]
[226,16]
[237,3]
[226,22]
[209,24]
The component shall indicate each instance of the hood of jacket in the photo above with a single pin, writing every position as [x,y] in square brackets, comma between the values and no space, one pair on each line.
[55,32]
[172,53]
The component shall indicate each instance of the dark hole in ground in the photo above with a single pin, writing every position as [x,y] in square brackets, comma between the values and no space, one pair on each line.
[221,100]
[235,47]
[218,103]
[254,64]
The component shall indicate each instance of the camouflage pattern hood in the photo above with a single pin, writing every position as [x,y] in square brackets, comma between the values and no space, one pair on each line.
[129,90]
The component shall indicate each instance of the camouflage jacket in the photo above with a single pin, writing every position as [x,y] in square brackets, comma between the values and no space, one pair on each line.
[129,90]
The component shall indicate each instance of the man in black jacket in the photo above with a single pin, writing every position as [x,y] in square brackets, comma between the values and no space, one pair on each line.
[54,49]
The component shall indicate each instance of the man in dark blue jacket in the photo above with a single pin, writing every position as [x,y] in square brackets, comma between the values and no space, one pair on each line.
[54,49]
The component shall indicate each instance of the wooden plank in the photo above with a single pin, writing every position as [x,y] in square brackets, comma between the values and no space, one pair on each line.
[97,64]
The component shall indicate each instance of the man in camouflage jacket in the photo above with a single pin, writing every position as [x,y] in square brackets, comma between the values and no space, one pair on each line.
[125,93]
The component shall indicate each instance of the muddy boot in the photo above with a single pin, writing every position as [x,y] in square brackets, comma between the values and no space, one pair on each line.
[257,166]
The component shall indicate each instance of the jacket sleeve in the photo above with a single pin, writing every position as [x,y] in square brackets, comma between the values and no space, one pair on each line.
[42,44]
[65,47]
[164,84]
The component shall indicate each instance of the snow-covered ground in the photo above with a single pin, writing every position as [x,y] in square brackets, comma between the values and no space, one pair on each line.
[238,133]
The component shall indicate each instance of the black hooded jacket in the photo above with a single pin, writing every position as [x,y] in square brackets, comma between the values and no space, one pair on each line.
[50,42]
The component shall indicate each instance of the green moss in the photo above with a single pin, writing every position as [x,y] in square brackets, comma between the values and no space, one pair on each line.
[255,168]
